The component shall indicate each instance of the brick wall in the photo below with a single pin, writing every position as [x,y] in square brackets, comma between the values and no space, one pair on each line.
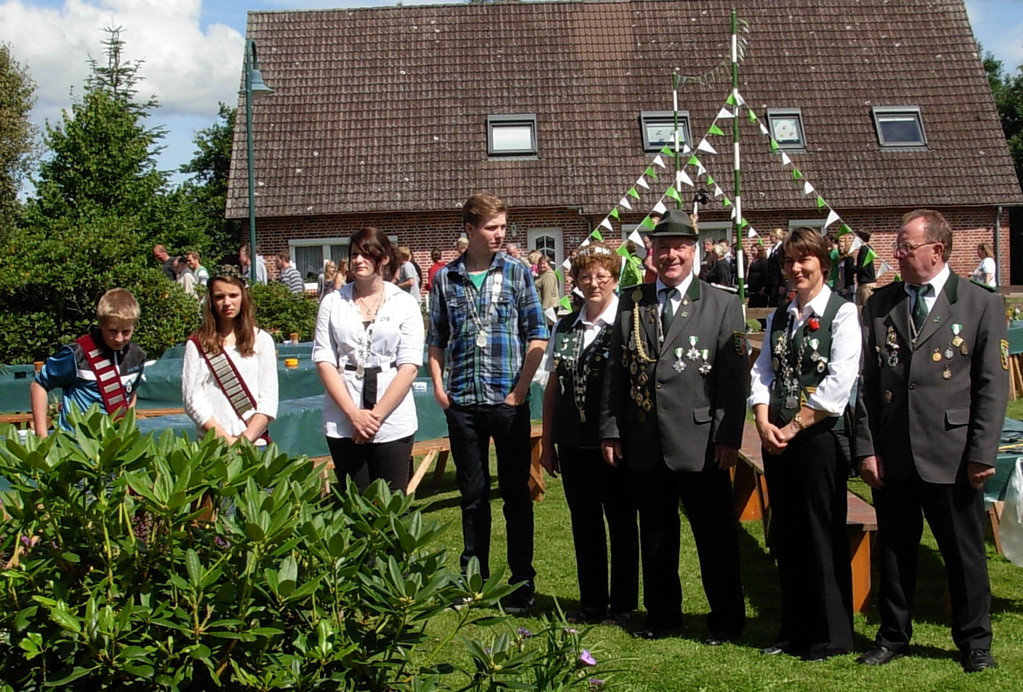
[424,231]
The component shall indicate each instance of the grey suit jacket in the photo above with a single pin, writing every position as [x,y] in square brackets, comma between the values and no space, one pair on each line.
[935,405]
[690,410]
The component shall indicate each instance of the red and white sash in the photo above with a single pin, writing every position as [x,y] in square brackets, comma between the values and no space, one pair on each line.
[227,377]
[108,379]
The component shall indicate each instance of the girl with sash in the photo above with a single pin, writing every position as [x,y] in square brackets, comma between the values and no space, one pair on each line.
[368,348]
[576,357]
[229,379]
[801,384]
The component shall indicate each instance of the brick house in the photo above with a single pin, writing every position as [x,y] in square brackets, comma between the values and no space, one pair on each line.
[393,116]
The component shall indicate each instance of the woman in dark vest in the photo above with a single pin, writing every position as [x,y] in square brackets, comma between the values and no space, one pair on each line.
[801,384]
[576,357]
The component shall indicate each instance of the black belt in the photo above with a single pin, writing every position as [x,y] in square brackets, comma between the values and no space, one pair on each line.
[369,383]
[375,369]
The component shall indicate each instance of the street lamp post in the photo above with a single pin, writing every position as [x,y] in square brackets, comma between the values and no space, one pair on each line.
[254,88]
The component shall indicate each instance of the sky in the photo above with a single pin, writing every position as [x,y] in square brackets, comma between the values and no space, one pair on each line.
[192,51]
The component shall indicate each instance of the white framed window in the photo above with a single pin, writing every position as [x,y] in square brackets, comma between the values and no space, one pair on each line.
[817,224]
[549,241]
[659,129]
[511,135]
[786,126]
[309,255]
[716,231]
[899,126]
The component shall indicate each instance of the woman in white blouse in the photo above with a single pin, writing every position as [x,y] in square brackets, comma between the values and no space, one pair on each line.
[368,348]
[985,271]
[226,349]
[800,386]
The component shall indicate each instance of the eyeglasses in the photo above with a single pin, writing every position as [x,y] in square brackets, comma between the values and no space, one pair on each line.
[910,248]
[595,280]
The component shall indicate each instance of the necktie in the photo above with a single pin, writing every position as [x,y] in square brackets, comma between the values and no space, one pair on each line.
[668,311]
[920,305]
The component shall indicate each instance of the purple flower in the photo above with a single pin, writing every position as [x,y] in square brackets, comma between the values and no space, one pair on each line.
[524,633]
[596,683]
[586,658]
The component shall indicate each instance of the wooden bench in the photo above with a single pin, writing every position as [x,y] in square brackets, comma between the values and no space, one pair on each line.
[752,502]
[25,419]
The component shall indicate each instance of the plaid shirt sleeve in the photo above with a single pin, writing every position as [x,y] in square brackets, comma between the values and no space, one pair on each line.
[439,326]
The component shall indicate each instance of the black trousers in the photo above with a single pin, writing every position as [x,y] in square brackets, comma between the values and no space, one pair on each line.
[955,514]
[807,483]
[470,429]
[595,492]
[367,462]
[707,499]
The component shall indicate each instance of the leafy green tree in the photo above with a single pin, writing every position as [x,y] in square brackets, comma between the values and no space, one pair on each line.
[16,134]
[1008,92]
[207,189]
[99,207]
[102,155]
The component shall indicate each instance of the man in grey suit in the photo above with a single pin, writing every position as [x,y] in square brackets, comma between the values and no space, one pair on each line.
[673,410]
[929,415]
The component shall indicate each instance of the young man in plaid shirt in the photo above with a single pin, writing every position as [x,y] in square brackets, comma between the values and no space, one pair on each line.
[485,312]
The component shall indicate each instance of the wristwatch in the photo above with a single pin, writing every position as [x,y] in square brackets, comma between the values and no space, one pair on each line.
[798,420]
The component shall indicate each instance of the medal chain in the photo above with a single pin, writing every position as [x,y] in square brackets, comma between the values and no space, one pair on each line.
[365,339]
[481,322]
[579,366]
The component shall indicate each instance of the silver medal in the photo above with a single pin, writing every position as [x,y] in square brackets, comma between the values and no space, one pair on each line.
[360,372]
[481,340]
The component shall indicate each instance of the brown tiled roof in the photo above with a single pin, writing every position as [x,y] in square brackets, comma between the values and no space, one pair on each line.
[384,109]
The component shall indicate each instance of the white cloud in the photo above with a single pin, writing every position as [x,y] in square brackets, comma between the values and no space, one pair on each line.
[998,25]
[188,69]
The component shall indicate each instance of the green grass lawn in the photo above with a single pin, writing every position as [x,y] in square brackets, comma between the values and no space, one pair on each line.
[683,663]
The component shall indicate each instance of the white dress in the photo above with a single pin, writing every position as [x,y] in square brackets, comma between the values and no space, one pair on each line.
[394,338]
[204,399]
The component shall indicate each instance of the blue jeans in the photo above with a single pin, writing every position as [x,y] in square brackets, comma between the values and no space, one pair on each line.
[470,429]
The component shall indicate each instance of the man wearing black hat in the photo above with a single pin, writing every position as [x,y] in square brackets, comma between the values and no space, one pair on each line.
[673,411]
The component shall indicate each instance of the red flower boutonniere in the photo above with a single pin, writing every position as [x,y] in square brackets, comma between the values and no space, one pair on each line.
[814,324]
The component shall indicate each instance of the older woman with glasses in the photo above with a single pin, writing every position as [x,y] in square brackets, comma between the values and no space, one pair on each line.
[576,357]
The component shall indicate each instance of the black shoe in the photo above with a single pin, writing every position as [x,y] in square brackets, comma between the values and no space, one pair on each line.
[720,638]
[817,655]
[617,619]
[976,660]
[879,655]
[776,649]
[520,600]
[587,616]
[656,629]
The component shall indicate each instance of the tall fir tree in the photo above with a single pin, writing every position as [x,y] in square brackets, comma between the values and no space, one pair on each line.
[102,155]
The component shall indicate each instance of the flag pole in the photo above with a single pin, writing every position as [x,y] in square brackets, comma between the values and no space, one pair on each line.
[739,263]
[675,135]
